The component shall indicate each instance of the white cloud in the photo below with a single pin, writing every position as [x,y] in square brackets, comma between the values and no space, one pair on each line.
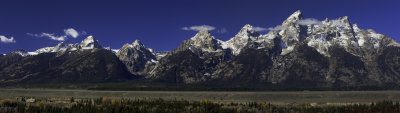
[67,32]
[71,32]
[223,30]
[276,28]
[199,28]
[185,28]
[4,39]
[51,36]
[308,21]
[259,29]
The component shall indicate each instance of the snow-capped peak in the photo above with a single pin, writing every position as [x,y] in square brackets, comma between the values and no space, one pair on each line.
[293,18]
[292,33]
[356,28]
[353,39]
[90,43]
[45,50]
[137,43]
[248,32]
[134,53]
[87,41]
[62,46]
[202,35]
[203,41]
[23,52]
[204,38]
[296,15]
[247,28]
[341,22]
[334,32]
[59,47]
[240,40]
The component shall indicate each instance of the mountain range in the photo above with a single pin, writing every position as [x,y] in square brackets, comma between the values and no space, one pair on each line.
[331,53]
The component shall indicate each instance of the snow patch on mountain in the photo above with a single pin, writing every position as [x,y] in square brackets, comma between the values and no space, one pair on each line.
[205,41]
[90,43]
[292,33]
[115,50]
[333,32]
[44,50]
[23,52]
[239,41]
[135,50]
[319,41]
[340,32]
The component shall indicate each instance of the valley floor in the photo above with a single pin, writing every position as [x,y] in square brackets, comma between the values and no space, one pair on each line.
[320,98]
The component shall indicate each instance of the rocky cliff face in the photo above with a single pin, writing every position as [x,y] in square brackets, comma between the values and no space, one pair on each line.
[193,61]
[245,36]
[291,32]
[137,58]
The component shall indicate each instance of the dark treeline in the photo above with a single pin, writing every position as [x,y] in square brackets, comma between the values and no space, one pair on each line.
[212,86]
[104,105]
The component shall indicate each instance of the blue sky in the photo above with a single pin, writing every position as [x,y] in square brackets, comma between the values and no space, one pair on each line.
[158,24]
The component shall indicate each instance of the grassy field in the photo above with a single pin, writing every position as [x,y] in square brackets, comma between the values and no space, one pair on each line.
[34,100]
[274,97]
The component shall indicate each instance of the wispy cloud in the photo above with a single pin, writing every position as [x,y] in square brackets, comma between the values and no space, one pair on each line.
[51,36]
[276,28]
[70,32]
[4,39]
[222,31]
[259,29]
[199,28]
[308,21]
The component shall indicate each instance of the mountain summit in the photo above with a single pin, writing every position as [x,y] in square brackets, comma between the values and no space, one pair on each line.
[90,43]
[136,57]
[241,39]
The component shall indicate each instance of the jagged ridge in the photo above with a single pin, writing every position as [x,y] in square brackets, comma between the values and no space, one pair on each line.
[332,53]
